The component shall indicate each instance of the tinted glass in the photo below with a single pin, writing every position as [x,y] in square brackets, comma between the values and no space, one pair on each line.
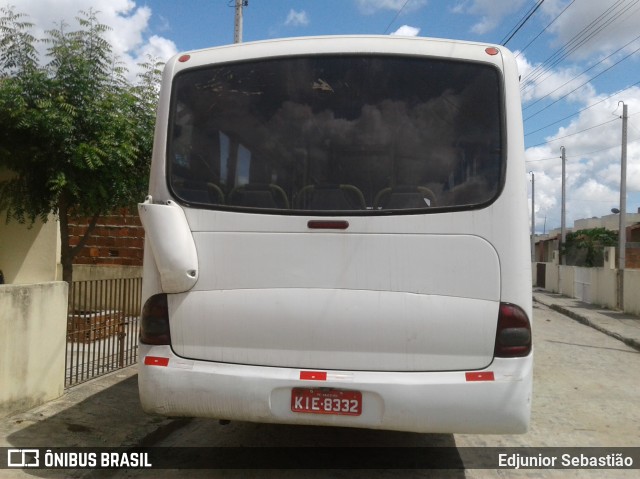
[346,134]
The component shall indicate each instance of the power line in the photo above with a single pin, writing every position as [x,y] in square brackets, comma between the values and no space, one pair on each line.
[582,73]
[542,159]
[549,62]
[582,84]
[396,17]
[583,109]
[586,34]
[575,133]
[520,24]
[583,155]
[545,29]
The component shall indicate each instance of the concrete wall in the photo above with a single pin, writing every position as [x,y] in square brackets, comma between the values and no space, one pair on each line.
[567,280]
[632,290]
[594,285]
[33,325]
[29,254]
[605,289]
[85,272]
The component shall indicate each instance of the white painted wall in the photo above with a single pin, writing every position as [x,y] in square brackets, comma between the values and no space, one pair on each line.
[29,254]
[33,325]
[602,288]
[632,288]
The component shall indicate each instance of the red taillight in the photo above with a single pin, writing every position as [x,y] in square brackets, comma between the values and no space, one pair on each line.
[513,336]
[327,224]
[154,326]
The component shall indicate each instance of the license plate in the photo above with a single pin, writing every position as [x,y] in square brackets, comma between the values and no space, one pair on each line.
[326,401]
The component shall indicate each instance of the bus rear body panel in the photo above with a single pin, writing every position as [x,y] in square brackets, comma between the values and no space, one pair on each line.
[346,301]
[434,402]
[331,243]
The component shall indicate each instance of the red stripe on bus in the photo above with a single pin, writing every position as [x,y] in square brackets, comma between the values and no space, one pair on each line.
[483,376]
[155,361]
[313,375]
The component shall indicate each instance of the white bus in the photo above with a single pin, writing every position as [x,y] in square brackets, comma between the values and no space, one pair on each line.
[337,234]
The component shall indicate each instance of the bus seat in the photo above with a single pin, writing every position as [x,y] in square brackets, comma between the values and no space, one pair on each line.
[404,197]
[330,197]
[259,196]
[199,192]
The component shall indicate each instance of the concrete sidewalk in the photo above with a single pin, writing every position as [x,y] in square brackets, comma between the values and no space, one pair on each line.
[103,412]
[623,327]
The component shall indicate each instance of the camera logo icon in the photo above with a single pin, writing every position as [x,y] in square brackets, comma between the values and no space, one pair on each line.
[23,458]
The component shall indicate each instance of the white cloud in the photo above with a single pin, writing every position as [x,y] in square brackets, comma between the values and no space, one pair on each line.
[592,138]
[407,31]
[538,82]
[593,162]
[597,27]
[491,12]
[297,19]
[129,25]
[156,47]
[369,7]
[594,27]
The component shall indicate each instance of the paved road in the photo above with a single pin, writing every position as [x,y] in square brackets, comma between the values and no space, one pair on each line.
[586,393]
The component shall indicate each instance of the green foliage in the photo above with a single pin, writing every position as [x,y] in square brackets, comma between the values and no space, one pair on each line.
[74,132]
[591,242]
[17,45]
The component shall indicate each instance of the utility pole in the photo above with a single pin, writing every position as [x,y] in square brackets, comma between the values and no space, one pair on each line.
[622,232]
[563,213]
[237,30]
[533,217]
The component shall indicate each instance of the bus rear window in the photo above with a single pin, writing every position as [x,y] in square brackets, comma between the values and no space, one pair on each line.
[339,134]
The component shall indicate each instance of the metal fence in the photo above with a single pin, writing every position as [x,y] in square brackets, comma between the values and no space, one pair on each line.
[102,327]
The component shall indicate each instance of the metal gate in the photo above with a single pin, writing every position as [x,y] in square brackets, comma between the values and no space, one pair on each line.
[102,327]
[541,275]
[582,284]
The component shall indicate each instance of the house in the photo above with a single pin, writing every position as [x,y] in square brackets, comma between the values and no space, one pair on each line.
[546,246]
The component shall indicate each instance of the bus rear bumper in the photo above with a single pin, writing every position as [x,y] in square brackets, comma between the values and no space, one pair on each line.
[496,400]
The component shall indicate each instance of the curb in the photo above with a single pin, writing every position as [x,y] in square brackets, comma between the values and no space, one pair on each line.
[632,343]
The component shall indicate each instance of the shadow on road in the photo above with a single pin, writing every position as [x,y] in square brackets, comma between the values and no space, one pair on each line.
[112,417]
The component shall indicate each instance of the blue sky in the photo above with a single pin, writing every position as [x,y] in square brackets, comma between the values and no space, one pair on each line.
[265,19]
[574,58]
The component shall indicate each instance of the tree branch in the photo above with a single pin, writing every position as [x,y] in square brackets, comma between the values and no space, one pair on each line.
[83,240]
